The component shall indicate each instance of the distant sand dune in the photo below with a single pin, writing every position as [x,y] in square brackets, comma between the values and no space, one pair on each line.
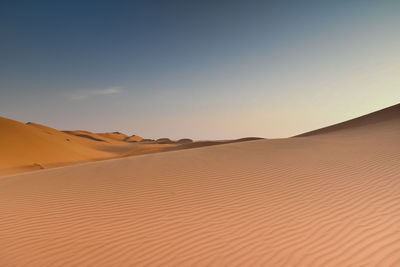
[133,138]
[26,146]
[168,145]
[322,200]
[115,136]
[91,137]
[164,141]
[184,141]
[148,148]
[197,144]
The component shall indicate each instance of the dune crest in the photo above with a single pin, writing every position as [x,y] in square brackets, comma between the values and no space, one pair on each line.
[133,138]
[323,200]
[389,115]
[25,147]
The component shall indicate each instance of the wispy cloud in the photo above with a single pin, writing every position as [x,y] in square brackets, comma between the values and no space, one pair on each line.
[84,94]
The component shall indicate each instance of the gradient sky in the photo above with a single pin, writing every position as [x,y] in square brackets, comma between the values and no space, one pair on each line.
[199,69]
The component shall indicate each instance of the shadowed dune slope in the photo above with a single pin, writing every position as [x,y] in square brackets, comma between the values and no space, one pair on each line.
[199,144]
[133,138]
[184,141]
[169,145]
[89,135]
[148,148]
[389,115]
[114,136]
[323,200]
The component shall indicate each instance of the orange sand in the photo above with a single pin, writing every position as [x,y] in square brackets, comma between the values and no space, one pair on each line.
[328,199]
[31,146]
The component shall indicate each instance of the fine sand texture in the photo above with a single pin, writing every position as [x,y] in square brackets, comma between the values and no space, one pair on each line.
[24,146]
[31,147]
[327,199]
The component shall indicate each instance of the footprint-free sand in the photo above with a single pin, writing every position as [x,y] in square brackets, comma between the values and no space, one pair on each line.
[327,198]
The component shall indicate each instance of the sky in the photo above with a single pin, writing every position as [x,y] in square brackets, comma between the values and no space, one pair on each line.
[199,69]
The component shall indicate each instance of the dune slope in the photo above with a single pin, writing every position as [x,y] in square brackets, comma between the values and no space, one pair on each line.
[323,200]
[30,145]
[390,115]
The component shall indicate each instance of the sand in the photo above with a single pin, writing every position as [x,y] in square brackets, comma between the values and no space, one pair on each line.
[26,145]
[327,199]
[31,147]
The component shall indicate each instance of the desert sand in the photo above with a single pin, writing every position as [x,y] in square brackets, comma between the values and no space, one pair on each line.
[26,147]
[326,198]
[29,147]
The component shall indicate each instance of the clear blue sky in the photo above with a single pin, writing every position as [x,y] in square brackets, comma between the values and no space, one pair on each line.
[199,69]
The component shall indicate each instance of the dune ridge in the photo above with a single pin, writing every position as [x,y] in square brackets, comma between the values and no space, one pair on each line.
[24,145]
[31,146]
[321,200]
[385,115]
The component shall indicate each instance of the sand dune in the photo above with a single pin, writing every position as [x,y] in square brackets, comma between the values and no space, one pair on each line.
[114,136]
[90,135]
[31,146]
[148,148]
[133,138]
[25,146]
[166,145]
[385,116]
[322,200]
[164,141]
[185,141]
[198,144]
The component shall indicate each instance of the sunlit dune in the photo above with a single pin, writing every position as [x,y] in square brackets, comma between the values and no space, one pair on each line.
[114,136]
[330,198]
[31,146]
[133,138]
